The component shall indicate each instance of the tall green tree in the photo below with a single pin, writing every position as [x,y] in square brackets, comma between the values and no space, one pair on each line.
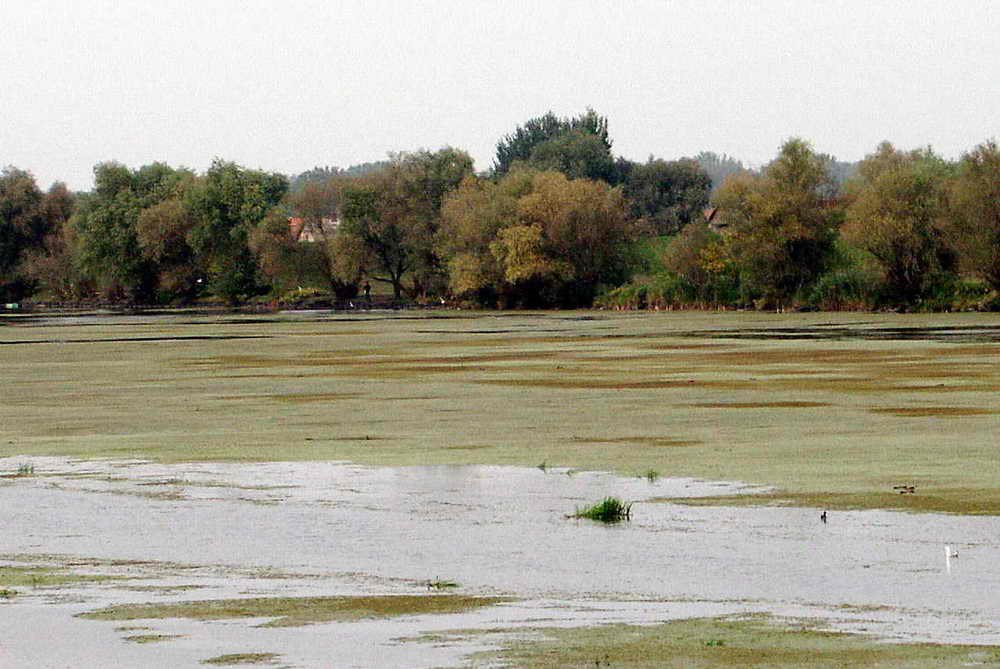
[389,219]
[570,145]
[534,239]
[783,223]
[973,224]
[23,226]
[163,231]
[106,226]
[897,203]
[226,204]
[664,197]
[576,153]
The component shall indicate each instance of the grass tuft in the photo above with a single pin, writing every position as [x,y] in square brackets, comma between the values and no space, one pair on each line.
[608,510]
[652,475]
[25,469]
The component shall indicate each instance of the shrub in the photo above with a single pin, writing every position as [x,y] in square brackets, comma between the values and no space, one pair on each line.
[848,288]
[950,293]
[627,297]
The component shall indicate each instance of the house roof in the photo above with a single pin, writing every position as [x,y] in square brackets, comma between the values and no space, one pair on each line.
[295,227]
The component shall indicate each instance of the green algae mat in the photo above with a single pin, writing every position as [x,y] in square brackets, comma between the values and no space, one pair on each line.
[831,410]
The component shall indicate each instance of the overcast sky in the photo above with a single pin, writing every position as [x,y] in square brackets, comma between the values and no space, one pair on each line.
[289,85]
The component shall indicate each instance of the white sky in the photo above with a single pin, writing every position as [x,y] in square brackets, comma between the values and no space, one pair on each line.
[286,85]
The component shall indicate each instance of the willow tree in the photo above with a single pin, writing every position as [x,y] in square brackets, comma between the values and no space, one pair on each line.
[897,204]
[973,221]
[783,223]
[390,218]
[534,238]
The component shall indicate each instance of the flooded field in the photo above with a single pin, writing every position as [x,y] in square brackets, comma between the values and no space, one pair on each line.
[315,490]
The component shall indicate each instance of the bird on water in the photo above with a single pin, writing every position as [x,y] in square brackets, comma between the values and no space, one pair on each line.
[822,516]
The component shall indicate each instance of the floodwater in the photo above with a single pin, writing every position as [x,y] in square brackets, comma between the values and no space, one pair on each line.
[205,531]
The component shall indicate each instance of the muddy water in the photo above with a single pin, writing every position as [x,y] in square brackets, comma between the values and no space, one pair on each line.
[291,529]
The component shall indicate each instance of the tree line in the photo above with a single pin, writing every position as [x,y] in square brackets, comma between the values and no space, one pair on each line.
[557,221]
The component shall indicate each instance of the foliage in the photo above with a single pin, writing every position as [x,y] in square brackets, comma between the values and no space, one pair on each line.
[27,218]
[53,269]
[630,296]
[567,145]
[106,226]
[546,229]
[471,219]
[535,238]
[284,261]
[162,232]
[322,175]
[973,223]
[685,256]
[227,203]
[578,154]
[897,203]
[844,289]
[663,197]
[783,224]
[47,264]
[390,219]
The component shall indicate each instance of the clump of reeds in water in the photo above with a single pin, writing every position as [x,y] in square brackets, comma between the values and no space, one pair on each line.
[608,510]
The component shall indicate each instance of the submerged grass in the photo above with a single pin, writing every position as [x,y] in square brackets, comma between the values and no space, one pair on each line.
[294,611]
[720,643]
[608,510]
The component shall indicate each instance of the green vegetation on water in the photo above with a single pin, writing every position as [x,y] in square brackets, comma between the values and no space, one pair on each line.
[151,638]
[720,643]
[832,410]
[294,611]
[230,659]
[42,577]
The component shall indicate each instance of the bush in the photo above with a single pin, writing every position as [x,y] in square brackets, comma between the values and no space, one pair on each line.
[667,291]
[951,293]
[844,289]
[627,297]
